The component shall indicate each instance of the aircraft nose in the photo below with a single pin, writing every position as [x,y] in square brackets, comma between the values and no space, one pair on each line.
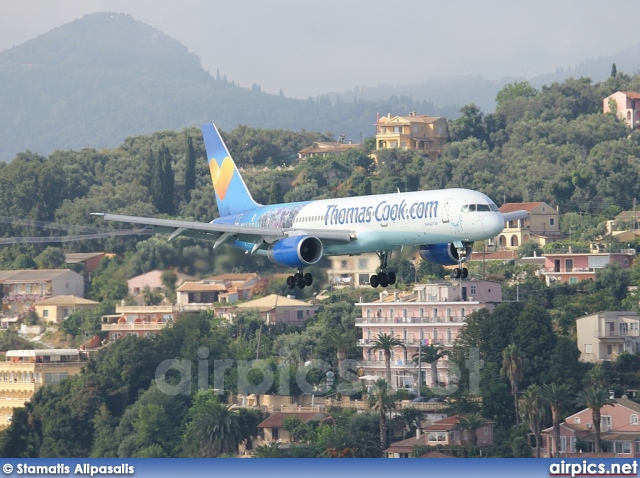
[493,224]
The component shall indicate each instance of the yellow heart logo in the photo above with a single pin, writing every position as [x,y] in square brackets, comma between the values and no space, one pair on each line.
[221,176]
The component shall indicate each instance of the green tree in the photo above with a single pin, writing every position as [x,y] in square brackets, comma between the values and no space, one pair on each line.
[213,428]
[594,399]
[555,395]
[387,343]
[430,354]
[518,89]
[383,401]
[512,369]
[270,450]
[471,423]
[614,70]
[532,409]
[190,170]
[51,258]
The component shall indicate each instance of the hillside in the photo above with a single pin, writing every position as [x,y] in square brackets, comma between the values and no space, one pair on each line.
[106,76]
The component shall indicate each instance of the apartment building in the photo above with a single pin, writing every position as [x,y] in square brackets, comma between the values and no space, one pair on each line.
[574,266]
[21,289]
[420,133]
[138,320]
[542,225]
[56,309]
[605,335]
[431,314]
[24,372]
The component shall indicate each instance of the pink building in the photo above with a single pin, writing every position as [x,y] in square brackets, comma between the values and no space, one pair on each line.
[573,267]
[619,431]
[626,105]
[138,320]
[433,313]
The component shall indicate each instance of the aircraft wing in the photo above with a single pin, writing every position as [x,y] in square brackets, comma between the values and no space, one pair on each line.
[515,215]
[221,233]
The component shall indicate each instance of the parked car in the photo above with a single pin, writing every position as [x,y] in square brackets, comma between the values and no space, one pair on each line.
[436,399]
[420,399]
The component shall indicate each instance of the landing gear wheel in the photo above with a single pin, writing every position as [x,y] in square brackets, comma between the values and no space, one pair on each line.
[391,276]
[291,283]
[308,279]
[455,273]
[383,280]
[373,281]
[465,273]
[299,280]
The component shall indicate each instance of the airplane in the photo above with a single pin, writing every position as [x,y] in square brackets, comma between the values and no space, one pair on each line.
[443,223]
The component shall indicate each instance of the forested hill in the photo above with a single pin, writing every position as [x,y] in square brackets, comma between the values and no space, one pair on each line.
[99,79]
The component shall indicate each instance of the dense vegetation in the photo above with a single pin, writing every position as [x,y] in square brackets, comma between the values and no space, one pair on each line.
[551,144]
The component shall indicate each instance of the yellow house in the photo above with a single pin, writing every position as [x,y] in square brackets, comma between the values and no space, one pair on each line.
[24,372]
[58,308]
[542,225]
[420,133]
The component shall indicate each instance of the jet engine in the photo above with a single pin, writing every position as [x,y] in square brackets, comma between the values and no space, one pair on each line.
[296,251]
[445,254]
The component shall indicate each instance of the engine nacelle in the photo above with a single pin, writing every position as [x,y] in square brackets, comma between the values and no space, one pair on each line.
[296,251]
[444,254]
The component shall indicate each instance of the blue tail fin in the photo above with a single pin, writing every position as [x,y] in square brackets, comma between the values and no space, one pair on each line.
[232,194]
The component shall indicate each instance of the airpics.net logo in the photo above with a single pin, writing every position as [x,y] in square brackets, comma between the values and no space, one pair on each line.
[315,377]
[586,468]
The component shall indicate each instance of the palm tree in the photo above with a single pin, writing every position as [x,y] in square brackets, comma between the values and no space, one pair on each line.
[431,354]
[512,369]
[214,430]
[342,340]
[594,399]
[386,343]
[381,400]
[555,395]
[272,450]
[532,408]
[472,422]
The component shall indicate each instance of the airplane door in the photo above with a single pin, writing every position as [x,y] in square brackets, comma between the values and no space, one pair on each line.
[445,210]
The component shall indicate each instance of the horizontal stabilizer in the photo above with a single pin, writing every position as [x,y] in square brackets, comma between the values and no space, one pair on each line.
[515,215]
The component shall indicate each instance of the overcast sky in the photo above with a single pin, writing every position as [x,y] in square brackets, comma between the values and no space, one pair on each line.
[313,47]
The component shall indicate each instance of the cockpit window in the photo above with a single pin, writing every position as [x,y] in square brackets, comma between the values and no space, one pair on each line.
[479,207]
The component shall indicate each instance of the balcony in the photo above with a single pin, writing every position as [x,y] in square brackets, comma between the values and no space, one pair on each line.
[452,319]
[140,327]
[616,334]
[407,342]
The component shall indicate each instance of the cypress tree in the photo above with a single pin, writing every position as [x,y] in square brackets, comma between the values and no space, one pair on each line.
[168,180]
[155,186]
[190,172]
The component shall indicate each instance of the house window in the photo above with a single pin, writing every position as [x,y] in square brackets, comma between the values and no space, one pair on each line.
[486,431]
[577,421]
[588,348]
[573,280]
[474,290]
[634,419]
[45,313]
[563,444]
[435,312]
[300,314]
[362,263]
[437,436]
[274,433]
[605,424]
[622,447]
[421,312]
[552,221]
[609,349]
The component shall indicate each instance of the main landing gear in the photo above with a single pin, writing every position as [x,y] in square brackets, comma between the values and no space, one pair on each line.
[460,272]
[383,278]
[299,280]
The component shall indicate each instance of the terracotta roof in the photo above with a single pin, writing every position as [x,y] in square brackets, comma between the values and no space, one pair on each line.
[75,257]
[632,94]
[67,300]
[200,286]
[448,423]
[519,206]
[409,119]
[271,302]
[436,454]
[233,277]
[406,446]
[33,275]
[275,420]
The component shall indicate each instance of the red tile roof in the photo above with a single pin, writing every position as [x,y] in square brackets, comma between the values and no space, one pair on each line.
[275,420]
[519,206]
